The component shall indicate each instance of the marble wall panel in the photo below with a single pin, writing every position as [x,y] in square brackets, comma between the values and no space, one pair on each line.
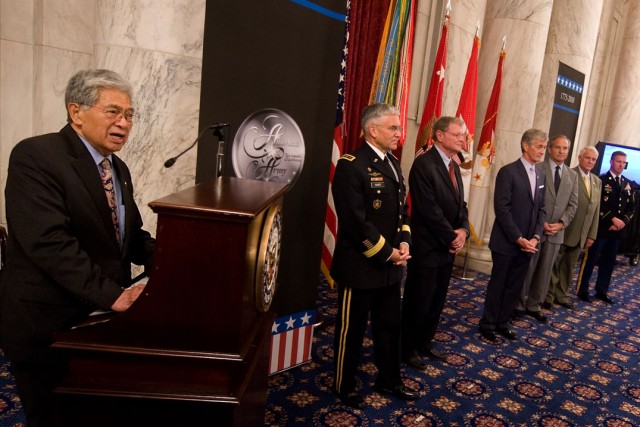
[160,25]
[16,21]
[68,24]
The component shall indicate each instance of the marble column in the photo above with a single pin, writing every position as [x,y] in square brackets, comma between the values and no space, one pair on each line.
[623,125]
[526,25]
[573,34]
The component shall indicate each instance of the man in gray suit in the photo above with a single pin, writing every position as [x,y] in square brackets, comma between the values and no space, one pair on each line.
[560,201]
[582,231]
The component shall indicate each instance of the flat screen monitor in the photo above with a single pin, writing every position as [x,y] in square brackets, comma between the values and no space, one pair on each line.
[631,171]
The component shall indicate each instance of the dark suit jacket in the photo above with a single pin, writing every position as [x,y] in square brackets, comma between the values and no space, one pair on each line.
[517,213]
[63,257]
[436,209]
[372,220]
[616,201]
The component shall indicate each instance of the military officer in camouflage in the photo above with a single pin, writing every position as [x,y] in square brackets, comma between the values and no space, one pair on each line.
[372,247]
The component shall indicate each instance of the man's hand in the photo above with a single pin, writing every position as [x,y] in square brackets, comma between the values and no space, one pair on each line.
[588,243]
[616,224]
[400,256]
[530,246]
[128,297]
[458,242]
[552,229]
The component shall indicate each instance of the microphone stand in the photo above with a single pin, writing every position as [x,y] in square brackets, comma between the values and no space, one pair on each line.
[217,132]
[220,157]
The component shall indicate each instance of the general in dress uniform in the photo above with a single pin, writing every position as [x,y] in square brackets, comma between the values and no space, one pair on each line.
[372,247]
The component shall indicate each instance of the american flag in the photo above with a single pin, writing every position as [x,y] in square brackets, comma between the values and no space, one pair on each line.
[291,337]
[331,219]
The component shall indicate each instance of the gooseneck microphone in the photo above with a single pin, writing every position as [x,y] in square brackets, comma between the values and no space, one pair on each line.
[170,162]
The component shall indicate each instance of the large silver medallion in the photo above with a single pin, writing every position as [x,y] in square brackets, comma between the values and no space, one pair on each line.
[269,147]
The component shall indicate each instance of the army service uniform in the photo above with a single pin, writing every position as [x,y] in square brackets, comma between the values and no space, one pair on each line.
[370,202]
[616,200]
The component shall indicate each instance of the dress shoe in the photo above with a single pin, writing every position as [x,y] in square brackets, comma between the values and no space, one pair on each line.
[517,314]
[547,305]
[537,315]
[400,391]
[604,297]
[507,333]
[432,353]
[351,399]
[414,359]
[585,298]
[488,334]
[567,305]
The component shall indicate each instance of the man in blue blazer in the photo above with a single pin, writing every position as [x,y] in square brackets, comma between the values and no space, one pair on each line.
[519,209]
[70,250]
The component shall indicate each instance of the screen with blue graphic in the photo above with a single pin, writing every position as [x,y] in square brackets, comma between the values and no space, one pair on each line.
[631,171]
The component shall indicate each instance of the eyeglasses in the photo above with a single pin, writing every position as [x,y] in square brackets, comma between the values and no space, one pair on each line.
[115,113]
[457,135]
[392,129]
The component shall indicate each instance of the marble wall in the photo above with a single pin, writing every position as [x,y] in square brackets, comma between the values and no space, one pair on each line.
[157,45]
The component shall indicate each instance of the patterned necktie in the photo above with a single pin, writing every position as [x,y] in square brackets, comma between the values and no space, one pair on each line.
[556,179]
[452,174]
[107,183]
[587,185]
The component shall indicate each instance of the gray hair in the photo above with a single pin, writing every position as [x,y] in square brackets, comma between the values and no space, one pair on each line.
[374,111]
[84,86]
[531,135]
[589,148]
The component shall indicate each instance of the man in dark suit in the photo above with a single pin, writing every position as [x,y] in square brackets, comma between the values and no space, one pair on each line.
[519,208]
[560,203]
[581,232]
[73,233]
[616,211]
[439,228]
[372,247]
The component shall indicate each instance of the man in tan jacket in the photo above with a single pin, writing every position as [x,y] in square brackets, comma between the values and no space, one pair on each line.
[581,232]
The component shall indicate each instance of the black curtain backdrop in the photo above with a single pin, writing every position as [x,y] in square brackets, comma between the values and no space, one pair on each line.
[279,54]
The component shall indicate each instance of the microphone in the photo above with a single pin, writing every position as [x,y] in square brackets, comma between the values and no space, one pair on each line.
[170,162]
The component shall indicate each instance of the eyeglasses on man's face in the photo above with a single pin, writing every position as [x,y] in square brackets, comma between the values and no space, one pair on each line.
[457,135]
[392,129]
[116,113]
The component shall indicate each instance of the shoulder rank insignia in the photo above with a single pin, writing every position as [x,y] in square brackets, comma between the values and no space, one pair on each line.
[348,157]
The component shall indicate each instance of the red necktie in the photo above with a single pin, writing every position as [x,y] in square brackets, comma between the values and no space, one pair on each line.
[107,183]
[452,174]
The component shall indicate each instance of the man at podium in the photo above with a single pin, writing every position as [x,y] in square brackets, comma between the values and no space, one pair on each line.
[74,230]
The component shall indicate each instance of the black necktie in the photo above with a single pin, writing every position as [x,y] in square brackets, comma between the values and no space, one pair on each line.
[556,179]
[618,181]
[393,170]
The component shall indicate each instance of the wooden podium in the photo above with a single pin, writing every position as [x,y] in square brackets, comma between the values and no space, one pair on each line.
[193,350]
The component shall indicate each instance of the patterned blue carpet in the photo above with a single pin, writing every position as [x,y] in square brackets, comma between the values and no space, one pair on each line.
[579,369]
